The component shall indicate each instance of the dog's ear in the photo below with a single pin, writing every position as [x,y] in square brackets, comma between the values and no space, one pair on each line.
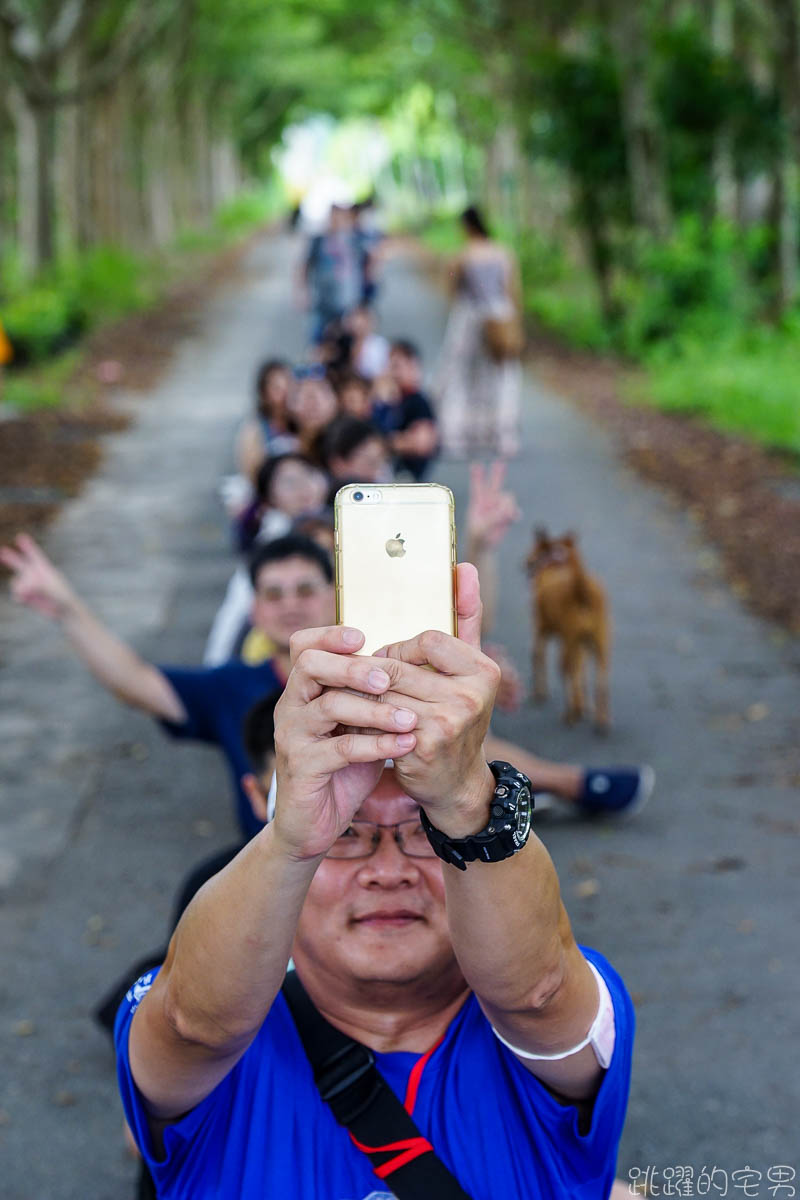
[541,536]
[570,538]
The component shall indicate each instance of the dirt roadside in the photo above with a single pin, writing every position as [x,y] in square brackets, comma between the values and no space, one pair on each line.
[745,498]
[45,456]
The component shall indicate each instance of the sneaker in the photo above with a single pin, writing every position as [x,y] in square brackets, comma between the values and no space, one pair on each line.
[616,790]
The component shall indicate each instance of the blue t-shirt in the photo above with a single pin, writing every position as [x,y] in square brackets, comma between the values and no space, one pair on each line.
[217,699]
[265,1131]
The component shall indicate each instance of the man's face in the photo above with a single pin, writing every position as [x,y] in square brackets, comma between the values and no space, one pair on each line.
[405,371]
[297,488]
[290,595]
[380,919]
[368,463]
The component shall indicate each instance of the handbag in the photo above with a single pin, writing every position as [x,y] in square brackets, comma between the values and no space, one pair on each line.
[361,1100]
[503,337]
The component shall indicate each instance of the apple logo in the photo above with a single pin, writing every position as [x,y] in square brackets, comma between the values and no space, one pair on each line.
[395,547]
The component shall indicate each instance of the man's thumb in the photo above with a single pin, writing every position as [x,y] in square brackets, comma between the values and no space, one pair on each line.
[468,604]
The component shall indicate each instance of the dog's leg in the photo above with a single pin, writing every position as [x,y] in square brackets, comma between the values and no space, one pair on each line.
[580,683]
[602,713]
[570,671]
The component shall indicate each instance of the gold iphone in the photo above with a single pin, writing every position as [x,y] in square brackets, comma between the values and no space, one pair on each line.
[395,560]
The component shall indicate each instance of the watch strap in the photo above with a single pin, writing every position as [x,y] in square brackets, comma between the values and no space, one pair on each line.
[497,840]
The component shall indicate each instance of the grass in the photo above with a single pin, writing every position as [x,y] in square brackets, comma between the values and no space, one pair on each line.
[748,385]
[45,318]
[43,386]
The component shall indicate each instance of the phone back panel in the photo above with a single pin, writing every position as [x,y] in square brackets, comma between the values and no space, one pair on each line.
[395,561]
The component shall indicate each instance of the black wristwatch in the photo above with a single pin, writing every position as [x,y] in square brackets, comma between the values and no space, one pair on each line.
[508,827]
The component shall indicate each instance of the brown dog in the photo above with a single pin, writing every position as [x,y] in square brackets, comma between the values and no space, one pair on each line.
[571,605]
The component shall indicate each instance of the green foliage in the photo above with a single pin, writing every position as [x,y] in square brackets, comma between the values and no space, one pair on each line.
[701,94]
[107,283]
[45,318]
[577,124]
[694,285]
[73,296]
[250,209]
[571,310]
[747,384]
[443,234]
[43,386]
[39,321]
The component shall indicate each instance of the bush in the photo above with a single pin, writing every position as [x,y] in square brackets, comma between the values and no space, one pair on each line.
[40,322]
[694,286]
[107,283]
[248,211]
[745,384]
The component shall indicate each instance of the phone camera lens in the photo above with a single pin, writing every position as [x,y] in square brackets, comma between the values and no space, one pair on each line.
[358,495]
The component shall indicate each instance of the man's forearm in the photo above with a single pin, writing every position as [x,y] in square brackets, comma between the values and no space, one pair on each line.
[117,667]
[514,944]
[225,965]
[505,920]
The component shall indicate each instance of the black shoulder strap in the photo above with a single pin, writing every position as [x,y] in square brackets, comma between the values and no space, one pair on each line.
[361,1100]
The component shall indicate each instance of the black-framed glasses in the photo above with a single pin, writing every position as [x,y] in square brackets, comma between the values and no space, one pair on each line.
[362,838]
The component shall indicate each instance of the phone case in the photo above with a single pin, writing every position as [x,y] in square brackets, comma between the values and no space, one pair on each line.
[395,560]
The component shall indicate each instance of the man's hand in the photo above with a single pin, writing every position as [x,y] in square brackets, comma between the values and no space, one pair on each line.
[446,772]
[332,737]
[35,581]
[490,511]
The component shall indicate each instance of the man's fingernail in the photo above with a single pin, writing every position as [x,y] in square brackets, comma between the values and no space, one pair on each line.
[378,678]
[382,653]
[351,637]
[403,716]
[405,741]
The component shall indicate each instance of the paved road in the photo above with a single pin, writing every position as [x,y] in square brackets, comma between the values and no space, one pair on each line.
[99,816]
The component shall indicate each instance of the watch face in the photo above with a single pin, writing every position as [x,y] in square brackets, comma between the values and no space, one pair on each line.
[524,812]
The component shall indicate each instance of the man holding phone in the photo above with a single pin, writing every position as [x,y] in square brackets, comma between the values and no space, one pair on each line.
[511,1045]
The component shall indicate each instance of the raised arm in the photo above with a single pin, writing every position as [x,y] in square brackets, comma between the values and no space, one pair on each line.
[229,953]
[510,931]
[39,585]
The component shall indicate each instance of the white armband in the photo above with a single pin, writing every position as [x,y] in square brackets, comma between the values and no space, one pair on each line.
[601,1037]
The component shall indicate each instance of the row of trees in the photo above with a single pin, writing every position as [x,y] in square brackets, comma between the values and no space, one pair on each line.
[652,111]
[122,120]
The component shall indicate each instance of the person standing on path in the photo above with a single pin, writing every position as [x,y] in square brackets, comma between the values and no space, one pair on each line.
[478,393]
[293,589]
[332,272]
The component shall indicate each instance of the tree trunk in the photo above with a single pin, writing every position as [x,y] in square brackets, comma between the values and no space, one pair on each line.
[27,180]
[44,117]
[787,65]
[7,177]
[598,247]
[157,152]
[725,189]
[644,141]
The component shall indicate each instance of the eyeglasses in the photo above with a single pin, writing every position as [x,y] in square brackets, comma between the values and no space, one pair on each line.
[362,839]
[301,591]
